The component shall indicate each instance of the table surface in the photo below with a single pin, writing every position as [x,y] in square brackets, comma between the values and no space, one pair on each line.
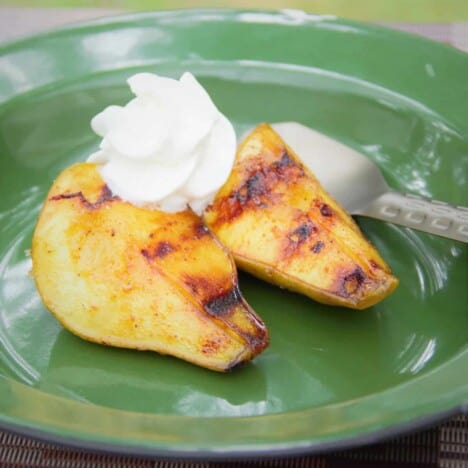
[443,445]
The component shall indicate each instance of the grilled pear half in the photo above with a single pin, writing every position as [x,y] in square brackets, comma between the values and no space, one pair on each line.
[281,225]
[131,277]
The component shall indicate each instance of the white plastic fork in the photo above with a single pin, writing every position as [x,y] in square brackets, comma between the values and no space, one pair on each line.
[358,185]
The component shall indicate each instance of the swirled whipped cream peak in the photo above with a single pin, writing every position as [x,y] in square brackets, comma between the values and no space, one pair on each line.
[169,148]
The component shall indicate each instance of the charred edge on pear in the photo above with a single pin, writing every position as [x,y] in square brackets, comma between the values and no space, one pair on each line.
[325,210]
[162,249]
[105,196]
[285,160]
[220,302]
[299,236]
[216,299]
[303,232]
[349,283]
[204,288]
[200,230]
[259,188]
[317,247]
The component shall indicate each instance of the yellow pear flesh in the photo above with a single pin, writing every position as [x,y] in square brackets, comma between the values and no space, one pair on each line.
[126,276]
[281,226]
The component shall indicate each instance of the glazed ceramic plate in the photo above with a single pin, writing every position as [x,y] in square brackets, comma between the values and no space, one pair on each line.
[331,377]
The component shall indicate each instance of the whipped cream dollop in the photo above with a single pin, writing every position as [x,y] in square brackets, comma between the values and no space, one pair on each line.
[168,148]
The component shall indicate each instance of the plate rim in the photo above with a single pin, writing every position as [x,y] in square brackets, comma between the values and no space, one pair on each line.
[129,16]
[353,442]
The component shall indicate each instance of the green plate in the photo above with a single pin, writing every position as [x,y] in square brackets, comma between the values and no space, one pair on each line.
[331,377]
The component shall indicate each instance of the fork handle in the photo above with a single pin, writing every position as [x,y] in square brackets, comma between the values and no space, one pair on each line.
[419,213]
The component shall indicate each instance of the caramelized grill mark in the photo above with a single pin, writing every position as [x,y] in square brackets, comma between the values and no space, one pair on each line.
[222,304]
[254,188]
[198,230]
[302,233]
[260,188]
[325,210]
[258,340]
[350,283]
[285,160]
[317,247]
[203,287]
[162,249]
[146,254]
[201,230]
[299,236]
[286,168]
[220,301]
[105,196]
